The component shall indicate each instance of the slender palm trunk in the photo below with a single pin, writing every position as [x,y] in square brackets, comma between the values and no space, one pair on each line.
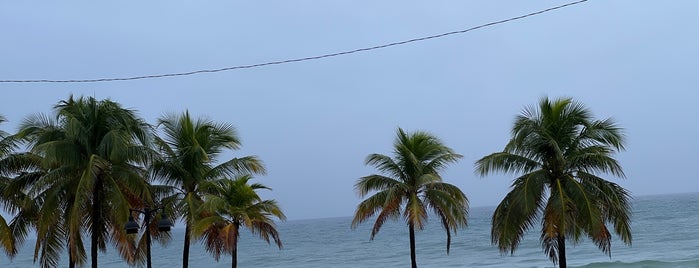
[562,252]
[234,257]
[96,199]
[149,263]
[234,250]
[413,259]
[71,260]
[71,250]
[185,251]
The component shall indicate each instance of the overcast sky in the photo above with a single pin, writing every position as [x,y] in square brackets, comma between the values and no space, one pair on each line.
[314,122]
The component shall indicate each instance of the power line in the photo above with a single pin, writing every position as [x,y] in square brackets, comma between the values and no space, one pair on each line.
[293,60]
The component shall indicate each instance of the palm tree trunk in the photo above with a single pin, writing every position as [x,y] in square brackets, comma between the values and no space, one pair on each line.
[234,258]
[71,260]
[234,250]
[96,199]
[562,252]
[413,259]
[71,250]
[185,251]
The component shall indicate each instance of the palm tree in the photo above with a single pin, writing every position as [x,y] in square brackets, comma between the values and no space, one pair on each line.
[558,149]
[231,204]
[411,187]
[93,155]
[189,149]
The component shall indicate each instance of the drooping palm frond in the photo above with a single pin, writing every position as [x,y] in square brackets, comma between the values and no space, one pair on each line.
[237,166]
[210,230]
[371,183]
[450,204]
[518,211]
[614,203]
[505,162]
[385,164]
[6,238]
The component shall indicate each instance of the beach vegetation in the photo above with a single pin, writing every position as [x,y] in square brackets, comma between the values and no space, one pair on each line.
[410,187]
[189,149]
[230,205]
[557,153]
[92,156]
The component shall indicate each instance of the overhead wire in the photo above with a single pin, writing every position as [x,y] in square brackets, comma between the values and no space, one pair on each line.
[296,59]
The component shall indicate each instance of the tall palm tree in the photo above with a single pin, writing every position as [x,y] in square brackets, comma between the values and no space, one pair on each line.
[95,152]
[189,148]
[558,150]
[230,205]
[411,187]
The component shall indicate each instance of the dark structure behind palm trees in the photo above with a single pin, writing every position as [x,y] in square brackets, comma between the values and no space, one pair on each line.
[557,151]
[411,187]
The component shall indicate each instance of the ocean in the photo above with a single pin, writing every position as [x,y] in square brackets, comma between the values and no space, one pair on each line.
[665,234]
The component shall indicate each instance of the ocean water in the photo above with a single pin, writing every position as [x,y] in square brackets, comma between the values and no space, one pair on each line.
[665,234]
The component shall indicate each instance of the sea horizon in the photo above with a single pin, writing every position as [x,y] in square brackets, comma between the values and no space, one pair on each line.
[663,227]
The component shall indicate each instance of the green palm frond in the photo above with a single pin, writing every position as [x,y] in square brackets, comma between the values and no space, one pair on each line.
[450,204]
[51,247]
[6,238]
[386,165]
[505,162]
[603,132]
[21,224]
[589,218]
[267,231]
[441,160]
[595,159]
[388,205]
[238,166]
[371,183]
[614,202]
[517,212]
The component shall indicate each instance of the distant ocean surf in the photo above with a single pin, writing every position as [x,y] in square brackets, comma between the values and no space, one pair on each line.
[665,234]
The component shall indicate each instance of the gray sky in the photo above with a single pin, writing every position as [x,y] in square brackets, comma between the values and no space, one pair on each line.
[314,122]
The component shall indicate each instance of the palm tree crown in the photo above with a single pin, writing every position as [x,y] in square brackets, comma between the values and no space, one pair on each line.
[558,149]
[411,187]
[231,204]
